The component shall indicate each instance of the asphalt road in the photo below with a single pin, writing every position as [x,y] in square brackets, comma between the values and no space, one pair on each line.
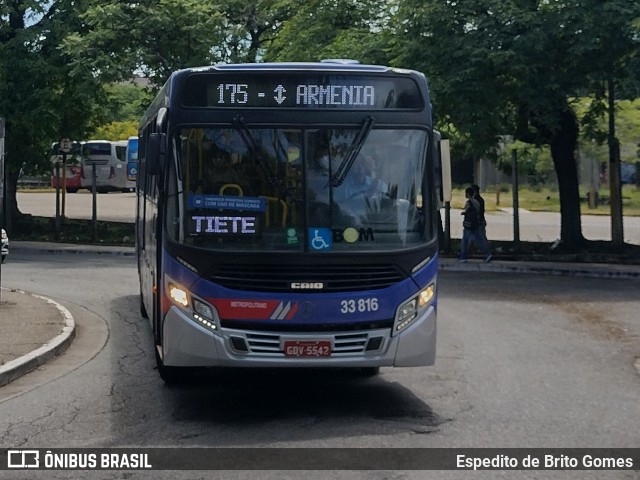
[112,207]
[523,361]
[534,226]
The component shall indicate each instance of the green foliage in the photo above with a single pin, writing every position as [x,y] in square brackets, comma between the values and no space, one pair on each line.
[321,29]
[116,131]
[507,67]
[628,129]
[594,134]
[156,37]
[251,27]
[38,97]
[126,102]
[533,161]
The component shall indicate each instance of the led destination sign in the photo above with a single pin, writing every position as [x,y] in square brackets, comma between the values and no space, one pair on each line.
[306,91]
[225,225]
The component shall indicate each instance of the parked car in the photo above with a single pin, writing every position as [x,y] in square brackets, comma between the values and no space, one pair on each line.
[73,178]
[5,244]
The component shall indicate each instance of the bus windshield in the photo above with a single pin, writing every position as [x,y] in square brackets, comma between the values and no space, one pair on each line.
[291,189]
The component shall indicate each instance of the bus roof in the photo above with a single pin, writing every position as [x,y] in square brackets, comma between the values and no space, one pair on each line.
[337,65]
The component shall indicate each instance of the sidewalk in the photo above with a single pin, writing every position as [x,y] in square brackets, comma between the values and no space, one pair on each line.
[34,329]
[53,247]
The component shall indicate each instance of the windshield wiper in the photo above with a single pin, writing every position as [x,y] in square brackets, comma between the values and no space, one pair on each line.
[255,151]
[354,149]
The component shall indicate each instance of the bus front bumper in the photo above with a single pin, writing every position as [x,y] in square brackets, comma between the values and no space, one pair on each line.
[188,344]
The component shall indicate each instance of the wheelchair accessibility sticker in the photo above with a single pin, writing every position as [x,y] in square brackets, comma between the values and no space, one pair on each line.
[320,239]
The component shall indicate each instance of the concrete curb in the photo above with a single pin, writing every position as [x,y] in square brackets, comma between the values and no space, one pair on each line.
[22,365]
[589,270]
[50,247]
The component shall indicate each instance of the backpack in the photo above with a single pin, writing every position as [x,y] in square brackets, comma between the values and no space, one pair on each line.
[471,215]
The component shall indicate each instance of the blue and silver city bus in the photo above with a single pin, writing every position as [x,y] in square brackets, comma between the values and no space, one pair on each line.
[287,216]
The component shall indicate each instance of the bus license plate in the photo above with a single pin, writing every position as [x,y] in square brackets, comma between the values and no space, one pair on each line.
[307,348]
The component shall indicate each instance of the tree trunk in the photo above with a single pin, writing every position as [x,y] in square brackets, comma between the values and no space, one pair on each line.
[615,190]
[563,146]
[11,206]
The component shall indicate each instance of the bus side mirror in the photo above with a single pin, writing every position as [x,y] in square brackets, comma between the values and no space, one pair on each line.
[156,153]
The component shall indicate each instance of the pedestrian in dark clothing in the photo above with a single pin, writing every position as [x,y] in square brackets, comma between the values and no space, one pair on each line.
[471,227]
[483,221]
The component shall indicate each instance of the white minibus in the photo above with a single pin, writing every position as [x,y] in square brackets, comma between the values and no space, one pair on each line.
[110,161]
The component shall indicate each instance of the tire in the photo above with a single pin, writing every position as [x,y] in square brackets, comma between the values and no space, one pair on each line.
[72,190]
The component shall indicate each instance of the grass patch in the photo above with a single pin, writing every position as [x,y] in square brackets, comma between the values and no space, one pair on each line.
[593,251]
[548,200]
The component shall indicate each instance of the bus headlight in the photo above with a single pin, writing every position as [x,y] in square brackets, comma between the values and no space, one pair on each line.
[412,308]
[203,314]
[426,296]
[200,311]
[178,295]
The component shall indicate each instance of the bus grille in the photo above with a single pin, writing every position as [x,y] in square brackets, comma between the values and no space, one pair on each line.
[335,278]
[344,344]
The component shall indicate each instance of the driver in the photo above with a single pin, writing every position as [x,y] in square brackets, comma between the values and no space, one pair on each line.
[361,188]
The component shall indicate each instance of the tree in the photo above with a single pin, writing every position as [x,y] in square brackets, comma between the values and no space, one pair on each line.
[125,102]
[513,67]
[117,130]
[321,29]
[38,97]
[252,26]
[155,38]
[594,134]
